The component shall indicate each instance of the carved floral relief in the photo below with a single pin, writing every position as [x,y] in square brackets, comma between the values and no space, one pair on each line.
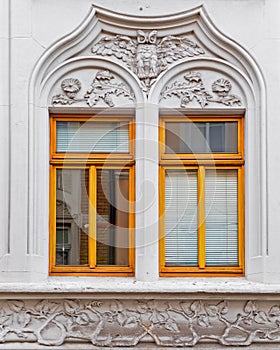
[147,56]
[103,88]
[193,89]
[115,323]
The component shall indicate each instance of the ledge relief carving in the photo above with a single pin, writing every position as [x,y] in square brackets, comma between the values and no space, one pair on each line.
[193,89]
[147,56]
[103,87]
[113,323]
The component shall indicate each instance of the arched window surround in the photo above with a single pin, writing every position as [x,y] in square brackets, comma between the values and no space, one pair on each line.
[224,57]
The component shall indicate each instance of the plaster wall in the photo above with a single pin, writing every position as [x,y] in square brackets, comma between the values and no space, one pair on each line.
[30,27]
[27,29]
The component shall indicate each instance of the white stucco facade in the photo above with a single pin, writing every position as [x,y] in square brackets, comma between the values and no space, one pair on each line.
[43,42]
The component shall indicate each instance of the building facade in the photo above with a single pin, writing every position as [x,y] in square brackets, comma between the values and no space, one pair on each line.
[139,174]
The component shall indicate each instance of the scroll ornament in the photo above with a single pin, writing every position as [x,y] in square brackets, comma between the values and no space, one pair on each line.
[115,323]
[103,87]
[193,89]
[147,56]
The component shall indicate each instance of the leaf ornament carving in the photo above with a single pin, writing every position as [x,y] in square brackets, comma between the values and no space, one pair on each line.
[104,87]
[193,89]
[147,56]
[124,323]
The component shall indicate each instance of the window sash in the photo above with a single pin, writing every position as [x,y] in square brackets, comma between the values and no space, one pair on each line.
[92,137]
[181,190]
[203,162]
[118,144]
[201,137]
[221,206]
[204,265]
[72,212]
[92,267]
[229,155]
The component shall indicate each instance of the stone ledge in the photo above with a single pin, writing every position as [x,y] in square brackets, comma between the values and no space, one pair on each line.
[107,285]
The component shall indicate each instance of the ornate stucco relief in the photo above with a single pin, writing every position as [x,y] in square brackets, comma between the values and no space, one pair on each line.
[147,56]
[113,323]
[193,89]
[105,87]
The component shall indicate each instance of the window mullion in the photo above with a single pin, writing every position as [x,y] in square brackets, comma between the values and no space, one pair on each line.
[92,218]
[201,218]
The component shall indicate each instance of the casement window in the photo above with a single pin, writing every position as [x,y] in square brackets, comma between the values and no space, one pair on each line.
[91,195]
[201,196]
[201,201]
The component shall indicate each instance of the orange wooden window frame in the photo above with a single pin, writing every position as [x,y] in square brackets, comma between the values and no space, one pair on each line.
[202,162]
[91,162]
[94,158]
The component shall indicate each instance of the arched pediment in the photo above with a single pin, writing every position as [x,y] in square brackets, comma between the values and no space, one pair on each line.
[205,83]
[89,82]
[144,47]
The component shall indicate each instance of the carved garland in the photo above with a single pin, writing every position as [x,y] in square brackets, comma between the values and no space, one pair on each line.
[103,87]
[192,89]
[115,323]
[147,56]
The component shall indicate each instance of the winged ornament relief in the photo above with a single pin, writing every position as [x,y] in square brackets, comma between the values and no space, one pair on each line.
[147,56]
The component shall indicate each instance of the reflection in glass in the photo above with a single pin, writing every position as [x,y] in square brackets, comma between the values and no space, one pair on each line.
[112,217]
[201,137]
[71,217]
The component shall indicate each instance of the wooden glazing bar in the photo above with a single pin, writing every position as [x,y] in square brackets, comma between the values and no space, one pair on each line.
[201,218]
[92,218]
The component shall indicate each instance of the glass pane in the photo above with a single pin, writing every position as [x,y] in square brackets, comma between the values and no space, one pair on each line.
[71,217]
[221,196]
[92,137]
[201,137]
[112,217]
[181,218]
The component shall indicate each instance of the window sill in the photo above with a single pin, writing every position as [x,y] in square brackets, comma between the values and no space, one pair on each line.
[100,286]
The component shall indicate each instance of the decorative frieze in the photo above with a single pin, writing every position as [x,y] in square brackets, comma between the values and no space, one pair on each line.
[103,88]
[115,323]
[147,56]
[193,89]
